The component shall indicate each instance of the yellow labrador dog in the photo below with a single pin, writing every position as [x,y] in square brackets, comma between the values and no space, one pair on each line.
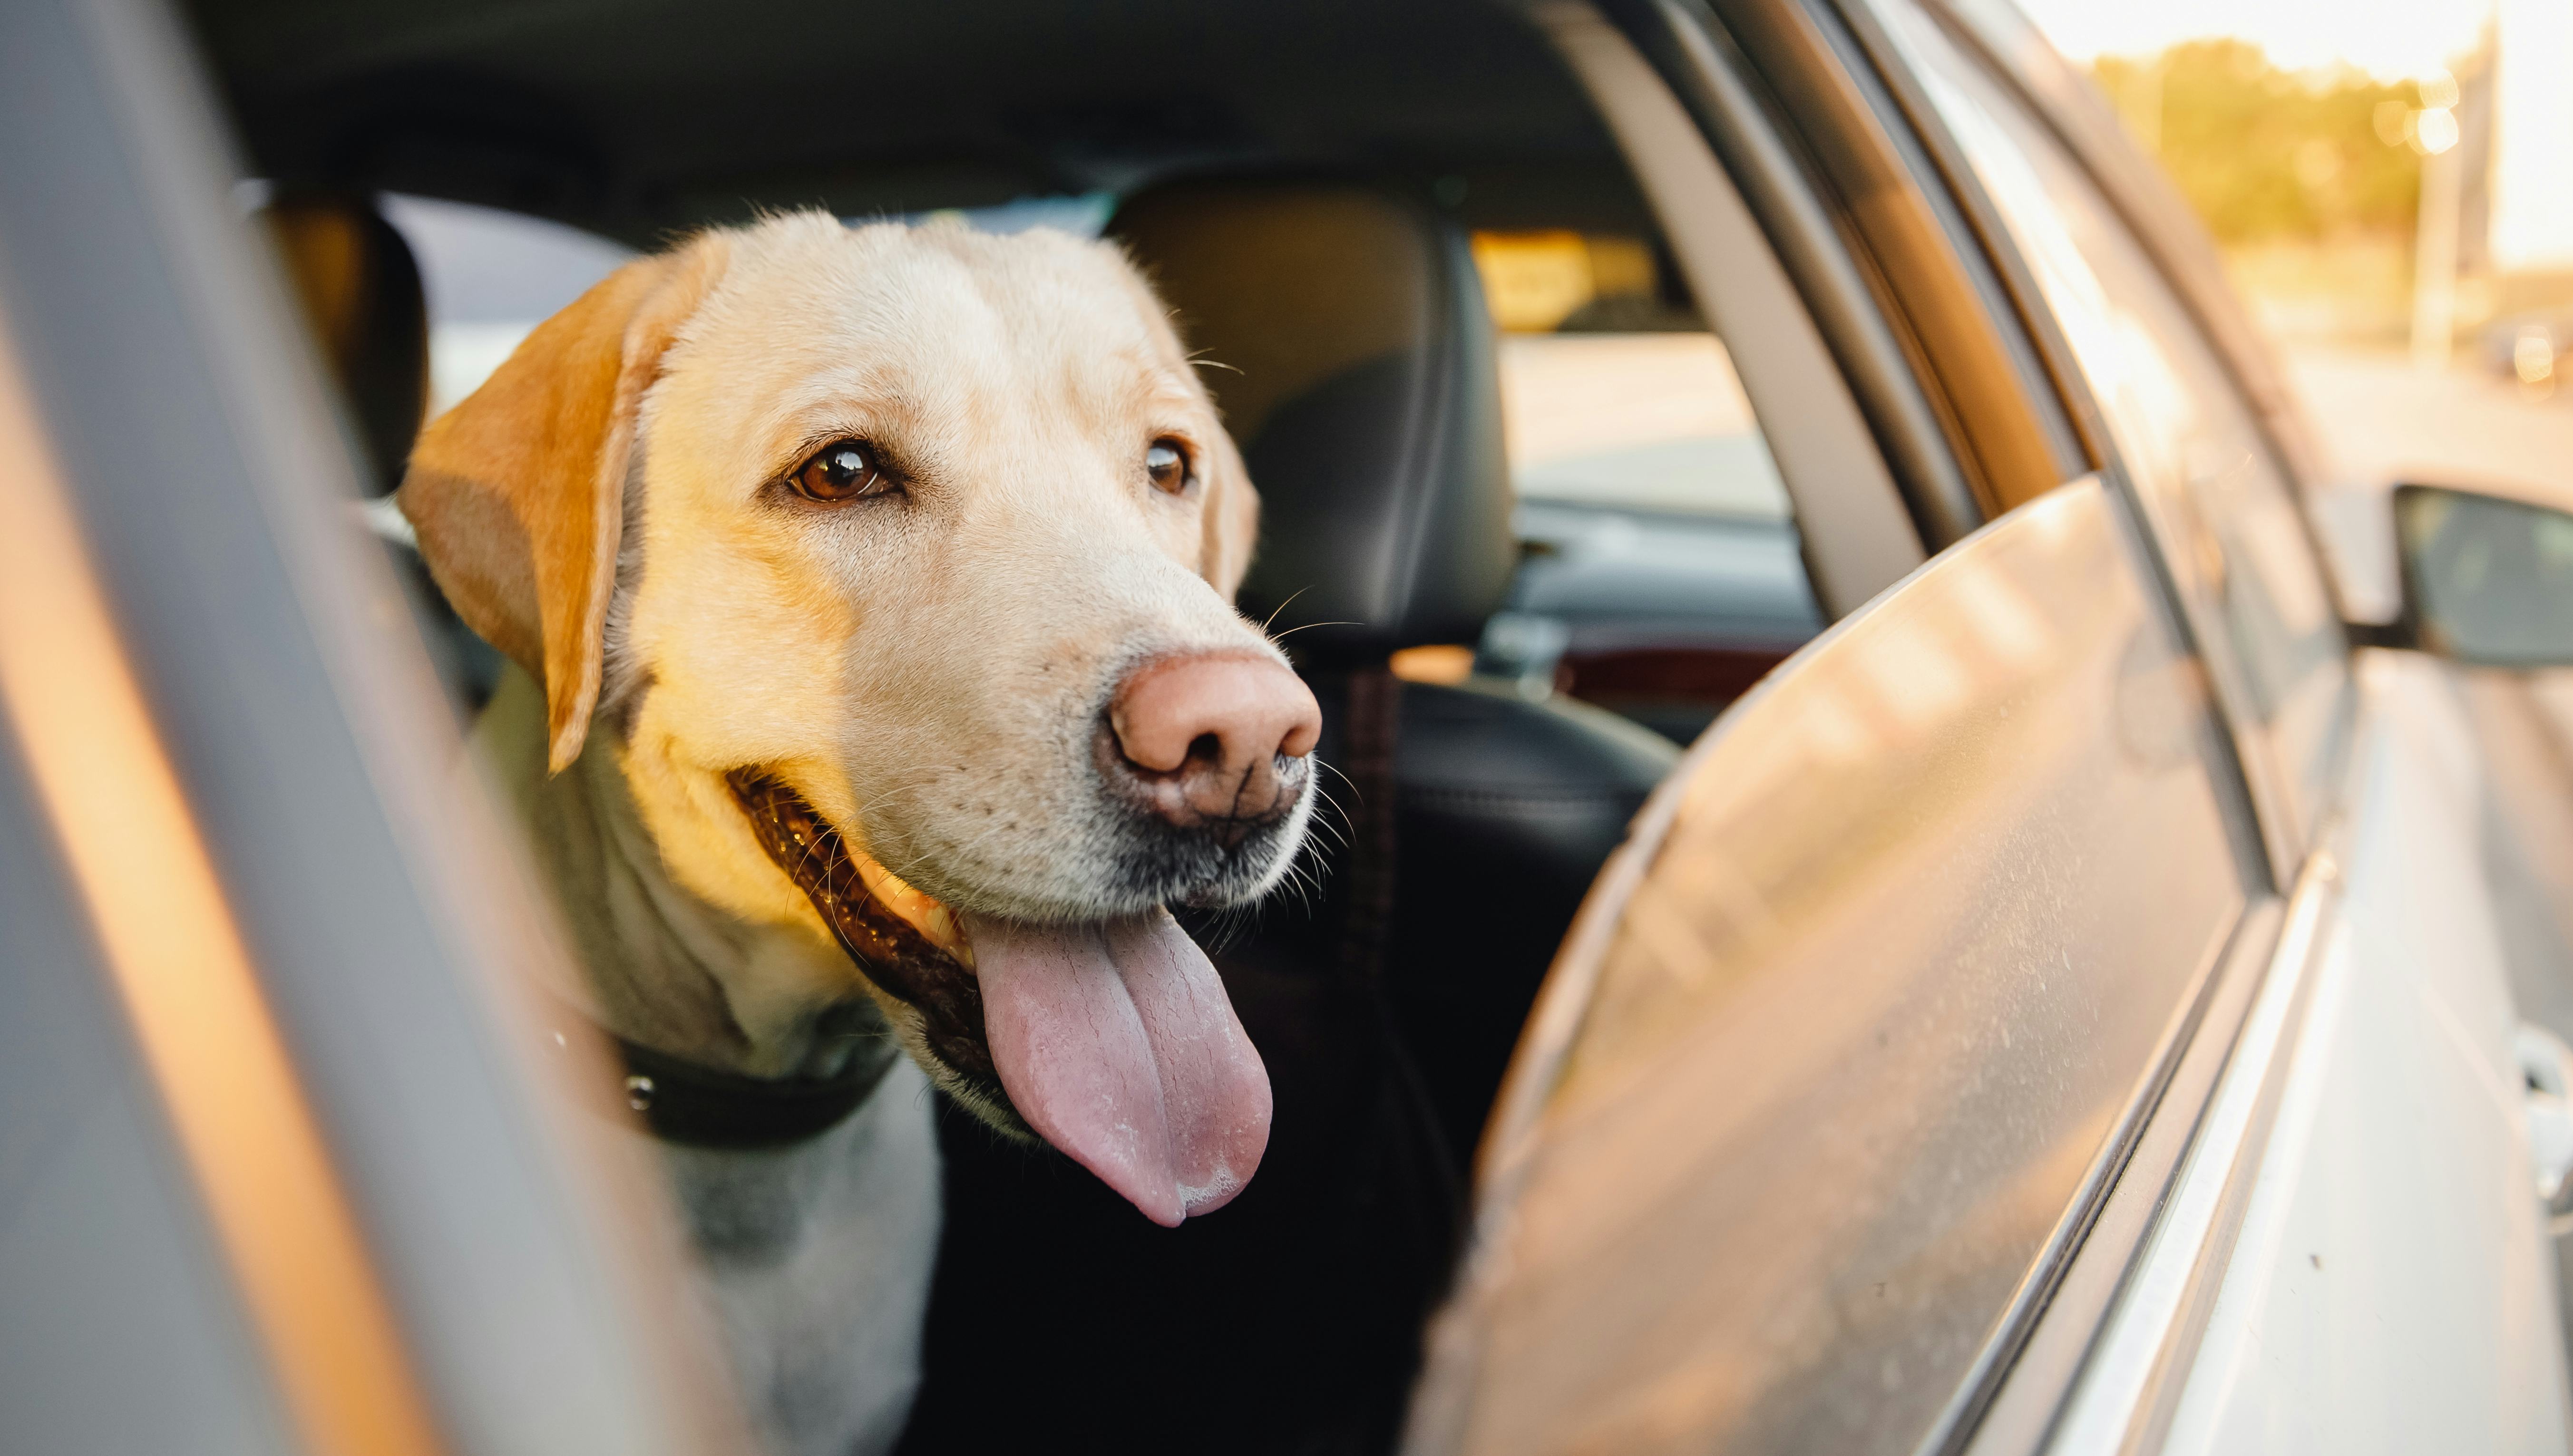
[881,684]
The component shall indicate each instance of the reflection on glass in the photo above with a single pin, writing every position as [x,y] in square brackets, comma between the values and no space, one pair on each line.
[1910,929]
[2224,513]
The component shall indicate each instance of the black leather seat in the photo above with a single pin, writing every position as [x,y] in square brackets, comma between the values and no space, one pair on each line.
[1385,990]
[1363,386]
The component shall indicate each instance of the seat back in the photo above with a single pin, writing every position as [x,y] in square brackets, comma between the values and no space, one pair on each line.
[1352,353]
[360,292]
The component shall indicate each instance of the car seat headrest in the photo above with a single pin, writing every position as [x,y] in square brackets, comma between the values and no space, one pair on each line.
[1345,336]
[360,292]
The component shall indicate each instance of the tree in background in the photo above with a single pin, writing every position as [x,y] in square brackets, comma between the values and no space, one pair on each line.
[2268,155]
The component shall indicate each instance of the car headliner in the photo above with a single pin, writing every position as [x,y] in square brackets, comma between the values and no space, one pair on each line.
[632,116]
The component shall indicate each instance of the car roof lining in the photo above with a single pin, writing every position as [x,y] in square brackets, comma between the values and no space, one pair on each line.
[635,119]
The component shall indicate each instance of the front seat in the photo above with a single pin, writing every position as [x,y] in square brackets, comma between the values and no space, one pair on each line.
[360,288]
[1360,379]
[360,292]
[1385,984]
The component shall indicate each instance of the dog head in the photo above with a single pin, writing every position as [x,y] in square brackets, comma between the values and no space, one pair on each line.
[895,565]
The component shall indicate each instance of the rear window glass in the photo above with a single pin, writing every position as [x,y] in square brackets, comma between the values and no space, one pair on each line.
[1614,392]
[488,276]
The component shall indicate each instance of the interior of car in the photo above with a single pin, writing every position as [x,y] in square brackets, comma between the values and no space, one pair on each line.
[1522,537]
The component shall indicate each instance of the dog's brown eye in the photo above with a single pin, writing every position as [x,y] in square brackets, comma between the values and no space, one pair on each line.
[842,470]
[1168,464]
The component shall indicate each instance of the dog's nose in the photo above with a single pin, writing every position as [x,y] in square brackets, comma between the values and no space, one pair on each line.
[1211,739]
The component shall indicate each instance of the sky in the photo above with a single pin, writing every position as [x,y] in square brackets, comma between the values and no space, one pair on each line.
[2389,39]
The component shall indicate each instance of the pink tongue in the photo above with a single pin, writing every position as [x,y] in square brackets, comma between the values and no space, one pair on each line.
[1118,1044]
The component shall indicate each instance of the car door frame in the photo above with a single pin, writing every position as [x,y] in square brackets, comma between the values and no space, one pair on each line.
[2110,1362]
[1869,202]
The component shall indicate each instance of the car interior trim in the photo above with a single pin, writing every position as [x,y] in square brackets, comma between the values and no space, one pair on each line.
[1866,168]
[2131,1384]
[181,972]
[1698,60]
[1857,537]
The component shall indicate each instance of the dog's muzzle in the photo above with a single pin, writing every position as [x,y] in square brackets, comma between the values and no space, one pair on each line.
[1114,1039]
[887,948]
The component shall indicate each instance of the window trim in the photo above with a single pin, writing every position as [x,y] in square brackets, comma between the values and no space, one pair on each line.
[1857,536]
[2146,202]
[1702,61]
[1981,231]
[2141,1347]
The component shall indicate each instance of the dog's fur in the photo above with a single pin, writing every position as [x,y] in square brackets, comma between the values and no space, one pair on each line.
[930,670]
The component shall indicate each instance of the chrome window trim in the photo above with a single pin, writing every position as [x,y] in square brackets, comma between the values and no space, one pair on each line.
[2005,1404]
[2131,1384]
[2265,780]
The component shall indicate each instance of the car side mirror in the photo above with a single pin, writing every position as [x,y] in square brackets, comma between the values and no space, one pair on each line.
[2487,579]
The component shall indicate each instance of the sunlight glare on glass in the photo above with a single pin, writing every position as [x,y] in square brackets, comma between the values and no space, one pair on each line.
[2434,130]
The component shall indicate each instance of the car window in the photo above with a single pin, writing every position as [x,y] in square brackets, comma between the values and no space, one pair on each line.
[2221,505]
[489,276]
[1851,1030]
[1614,392]
[1663,573]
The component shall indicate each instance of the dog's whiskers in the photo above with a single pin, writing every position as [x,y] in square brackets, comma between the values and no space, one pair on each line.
[1282,606]
[1309,627]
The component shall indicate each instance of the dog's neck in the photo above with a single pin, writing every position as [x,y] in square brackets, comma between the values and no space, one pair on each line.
[665,968]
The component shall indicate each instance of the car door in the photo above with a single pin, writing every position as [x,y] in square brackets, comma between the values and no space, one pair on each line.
[1892,1095]
[1858,1034]
[2357,1262]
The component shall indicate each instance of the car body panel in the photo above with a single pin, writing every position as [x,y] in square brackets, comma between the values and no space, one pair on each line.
[2392,1284]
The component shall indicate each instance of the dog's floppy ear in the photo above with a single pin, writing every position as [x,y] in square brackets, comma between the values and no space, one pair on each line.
[517,493]
[1231,518]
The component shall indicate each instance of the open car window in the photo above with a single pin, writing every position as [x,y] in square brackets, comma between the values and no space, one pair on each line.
[1617,392]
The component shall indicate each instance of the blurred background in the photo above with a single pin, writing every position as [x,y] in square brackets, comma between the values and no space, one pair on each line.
[2391,183]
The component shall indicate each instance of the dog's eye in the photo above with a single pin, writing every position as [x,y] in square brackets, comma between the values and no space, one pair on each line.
[841,471]
[1168,464]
